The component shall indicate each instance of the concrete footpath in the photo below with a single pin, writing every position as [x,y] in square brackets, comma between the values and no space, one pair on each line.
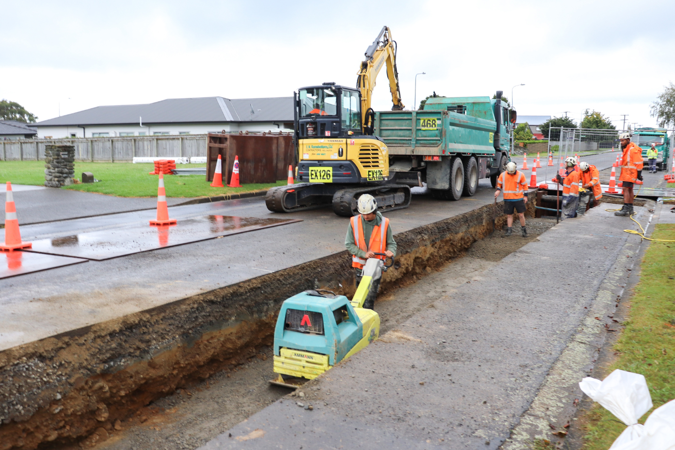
[492,364]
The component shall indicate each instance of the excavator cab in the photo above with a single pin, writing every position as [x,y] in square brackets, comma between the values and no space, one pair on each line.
[327,111]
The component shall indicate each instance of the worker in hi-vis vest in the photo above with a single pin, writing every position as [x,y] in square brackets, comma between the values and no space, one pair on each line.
[652,154]
[590,183]
[371,227]
[514,186]
[570,193]
[631,172]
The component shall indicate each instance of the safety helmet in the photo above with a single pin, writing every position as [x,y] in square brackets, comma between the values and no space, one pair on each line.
[624,135]
[584,166]
[367,204]
[511,167]
[653,144]
[570,161]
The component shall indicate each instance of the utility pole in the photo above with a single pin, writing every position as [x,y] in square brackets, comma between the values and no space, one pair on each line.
[566,113]
[624,120]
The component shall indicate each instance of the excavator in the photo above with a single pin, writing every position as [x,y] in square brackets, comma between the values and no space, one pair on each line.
[338,157]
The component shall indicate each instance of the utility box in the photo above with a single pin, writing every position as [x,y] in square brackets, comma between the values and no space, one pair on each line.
[87,177]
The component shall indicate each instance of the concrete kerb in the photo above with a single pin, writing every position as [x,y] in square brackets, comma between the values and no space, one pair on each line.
[101,373]
[556,401]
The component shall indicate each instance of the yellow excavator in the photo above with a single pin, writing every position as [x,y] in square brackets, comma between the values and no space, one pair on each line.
[338,158]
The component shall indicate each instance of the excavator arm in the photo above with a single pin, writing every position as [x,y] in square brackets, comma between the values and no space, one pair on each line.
[381,51]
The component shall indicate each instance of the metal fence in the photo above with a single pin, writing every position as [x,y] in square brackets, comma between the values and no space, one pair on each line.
[108,149]
[577,140]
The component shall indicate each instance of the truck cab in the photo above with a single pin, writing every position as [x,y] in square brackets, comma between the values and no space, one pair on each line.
[316,330]
[645,137]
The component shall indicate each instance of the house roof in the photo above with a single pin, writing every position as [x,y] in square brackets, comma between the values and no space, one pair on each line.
[12,127]
[532,120]
[182,110]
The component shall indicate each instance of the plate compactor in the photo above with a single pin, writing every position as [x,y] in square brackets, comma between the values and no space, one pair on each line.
[317,329]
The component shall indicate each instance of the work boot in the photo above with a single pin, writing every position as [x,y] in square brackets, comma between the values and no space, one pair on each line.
[524,230]
[623,211]
[630,210]
[508,232]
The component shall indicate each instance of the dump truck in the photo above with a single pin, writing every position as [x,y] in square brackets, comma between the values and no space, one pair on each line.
[645,137]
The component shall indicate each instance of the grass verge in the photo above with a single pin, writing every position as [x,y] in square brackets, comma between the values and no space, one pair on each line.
[647,343]
[125,180]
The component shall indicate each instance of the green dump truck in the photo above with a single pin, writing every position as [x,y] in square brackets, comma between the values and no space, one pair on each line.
[645,137]
[450,144]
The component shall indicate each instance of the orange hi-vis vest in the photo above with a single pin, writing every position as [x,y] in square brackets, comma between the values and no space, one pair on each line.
[592,177]
[631,162]
[512,186]
[378,239]
[571,183]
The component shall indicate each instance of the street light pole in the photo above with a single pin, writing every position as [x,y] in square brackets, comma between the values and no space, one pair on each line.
[415,103]
[513,132]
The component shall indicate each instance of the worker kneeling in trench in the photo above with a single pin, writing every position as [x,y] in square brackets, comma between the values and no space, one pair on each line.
[369,226]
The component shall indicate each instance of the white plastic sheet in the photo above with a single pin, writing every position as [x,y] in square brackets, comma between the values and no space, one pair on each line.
[626,395]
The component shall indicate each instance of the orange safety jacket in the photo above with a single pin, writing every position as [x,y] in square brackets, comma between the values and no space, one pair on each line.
[592,177]
[571,183]
[378,239]
[631,162]
[512,186]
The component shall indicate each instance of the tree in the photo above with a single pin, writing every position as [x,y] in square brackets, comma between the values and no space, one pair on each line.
[14,111]
[522,132]
[423,102]
[504,99]
[664,108]
[554,123]
[596,120]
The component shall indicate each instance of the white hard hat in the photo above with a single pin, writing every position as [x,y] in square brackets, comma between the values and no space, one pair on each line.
[571,161]
[511,167]
[367,204]
[653,144]
[624,135]
[584,166]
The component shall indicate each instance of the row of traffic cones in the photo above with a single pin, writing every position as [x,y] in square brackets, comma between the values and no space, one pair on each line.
[218,175]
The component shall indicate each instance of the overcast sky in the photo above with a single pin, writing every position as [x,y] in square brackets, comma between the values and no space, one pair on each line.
[611,56]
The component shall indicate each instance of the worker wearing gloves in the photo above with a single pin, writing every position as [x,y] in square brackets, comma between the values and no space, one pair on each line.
[590,183]
[369,226]
[513,184]
[652,154]
[631,172]
[570,188]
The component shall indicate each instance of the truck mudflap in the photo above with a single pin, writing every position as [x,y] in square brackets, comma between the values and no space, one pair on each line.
[300,364]
[389,197]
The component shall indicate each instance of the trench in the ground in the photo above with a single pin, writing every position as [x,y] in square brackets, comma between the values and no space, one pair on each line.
[79,387]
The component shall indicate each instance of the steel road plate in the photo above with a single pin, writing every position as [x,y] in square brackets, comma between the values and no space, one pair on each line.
[20,263]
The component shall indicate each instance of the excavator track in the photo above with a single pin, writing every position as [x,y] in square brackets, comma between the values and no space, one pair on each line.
[297,197]
[389,197]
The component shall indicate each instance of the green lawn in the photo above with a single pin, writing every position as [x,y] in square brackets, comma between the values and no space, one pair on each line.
[125,179]
[647,344]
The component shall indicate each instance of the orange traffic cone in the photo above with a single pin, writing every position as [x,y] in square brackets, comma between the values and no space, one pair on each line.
[218,175]
[162,209]
[550,159]
[524,162]
[538,161]
[612,182]
[562,168]
[12,233]
[533,177]
[234,182]
[290,175]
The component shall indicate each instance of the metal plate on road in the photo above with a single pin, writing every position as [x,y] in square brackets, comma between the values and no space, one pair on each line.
[102,245]
[13,264]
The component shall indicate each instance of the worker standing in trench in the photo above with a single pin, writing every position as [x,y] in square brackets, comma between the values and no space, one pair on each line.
[631,172]
[590,182]
[571,186]
[513,183]
[369,226]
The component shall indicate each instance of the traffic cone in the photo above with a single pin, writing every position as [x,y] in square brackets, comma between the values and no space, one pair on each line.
[562,168]
[550,159]
[162,209]
[577,158]
[218,175]
[234,182]
[533,177]
[524,162]
[12,233]
[290,175]
[538,161]
[612,182]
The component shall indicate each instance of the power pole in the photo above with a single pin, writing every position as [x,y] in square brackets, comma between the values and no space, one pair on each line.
[624,120]
[565,113]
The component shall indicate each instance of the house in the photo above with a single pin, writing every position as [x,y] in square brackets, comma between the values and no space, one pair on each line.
[174,116]
[534,122]
[11,129]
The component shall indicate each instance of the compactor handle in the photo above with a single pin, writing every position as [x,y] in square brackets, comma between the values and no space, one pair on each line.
[386,266]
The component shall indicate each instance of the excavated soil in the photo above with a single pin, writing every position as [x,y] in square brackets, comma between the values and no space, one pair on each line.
[82,388]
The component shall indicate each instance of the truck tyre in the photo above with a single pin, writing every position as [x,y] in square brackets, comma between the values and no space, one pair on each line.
[470,176]
[456,182]
[502,168]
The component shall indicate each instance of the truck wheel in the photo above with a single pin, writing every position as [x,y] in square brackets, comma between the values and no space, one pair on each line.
[456,182]
[502,168]
[471,176]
